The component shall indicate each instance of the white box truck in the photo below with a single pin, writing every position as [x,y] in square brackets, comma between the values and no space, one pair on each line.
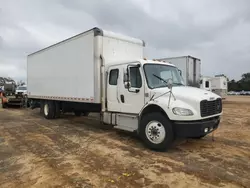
[104,72]
[190,68]
[219,86]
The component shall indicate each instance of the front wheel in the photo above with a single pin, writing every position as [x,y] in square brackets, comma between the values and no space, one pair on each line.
[156,131]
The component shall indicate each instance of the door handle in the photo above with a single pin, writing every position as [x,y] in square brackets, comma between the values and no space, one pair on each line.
[122,98]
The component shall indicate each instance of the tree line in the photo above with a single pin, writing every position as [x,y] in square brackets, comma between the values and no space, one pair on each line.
[241,85]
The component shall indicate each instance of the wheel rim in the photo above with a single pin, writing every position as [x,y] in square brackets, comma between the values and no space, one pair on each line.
[155,132]
[46,109]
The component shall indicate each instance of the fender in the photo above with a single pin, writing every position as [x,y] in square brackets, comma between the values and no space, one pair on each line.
[161,105]
[149,108]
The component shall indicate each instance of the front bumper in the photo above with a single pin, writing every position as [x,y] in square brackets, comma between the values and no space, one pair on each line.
[189,129]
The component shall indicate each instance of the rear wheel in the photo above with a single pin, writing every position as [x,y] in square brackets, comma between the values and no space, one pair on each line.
[49,110]
[156,131]
[41,106]
[28,103]
[57,109]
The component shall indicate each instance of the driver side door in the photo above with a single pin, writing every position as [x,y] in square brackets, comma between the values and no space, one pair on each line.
[132,98]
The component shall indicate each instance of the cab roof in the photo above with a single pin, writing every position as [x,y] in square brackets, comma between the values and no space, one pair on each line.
[142,62]
[145,61]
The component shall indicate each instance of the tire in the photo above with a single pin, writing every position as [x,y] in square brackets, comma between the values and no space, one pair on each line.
[28,103]
[78,113]
[41,106]
[57,109]
[49,110]
[152,122]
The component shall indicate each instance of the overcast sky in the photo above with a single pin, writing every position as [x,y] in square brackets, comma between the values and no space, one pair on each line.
[216,31]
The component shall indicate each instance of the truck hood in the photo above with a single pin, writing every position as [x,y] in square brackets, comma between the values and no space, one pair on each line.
[186,97]
[187,93]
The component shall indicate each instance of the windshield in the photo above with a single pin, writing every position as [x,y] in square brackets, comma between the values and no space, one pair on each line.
[155,72]
[21,88]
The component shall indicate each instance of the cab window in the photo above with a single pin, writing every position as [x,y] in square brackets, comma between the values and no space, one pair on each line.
[113,77]
[135,77]
[207,84]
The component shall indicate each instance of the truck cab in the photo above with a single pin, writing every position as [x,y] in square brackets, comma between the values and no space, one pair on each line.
[150,98]
[21,90]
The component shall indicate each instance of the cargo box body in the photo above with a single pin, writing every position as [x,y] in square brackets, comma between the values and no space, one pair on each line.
[190,68]
[71,70]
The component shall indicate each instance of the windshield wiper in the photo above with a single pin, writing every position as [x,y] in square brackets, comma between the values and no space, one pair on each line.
[161,78]
[166,81]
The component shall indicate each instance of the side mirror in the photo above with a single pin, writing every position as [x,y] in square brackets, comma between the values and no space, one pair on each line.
[126,79]
[127,85]
[180,72]
[125,76]
[170,83]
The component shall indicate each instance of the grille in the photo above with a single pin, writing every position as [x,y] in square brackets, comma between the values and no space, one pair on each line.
[209,108]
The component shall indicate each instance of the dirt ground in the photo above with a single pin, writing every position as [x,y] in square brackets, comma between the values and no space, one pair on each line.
[77,152]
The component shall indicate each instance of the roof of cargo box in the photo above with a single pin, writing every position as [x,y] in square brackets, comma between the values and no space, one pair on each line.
[99,32]
[111,34]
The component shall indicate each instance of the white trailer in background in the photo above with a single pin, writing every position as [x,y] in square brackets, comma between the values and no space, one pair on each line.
[105,72]
[190,68]
[219,86]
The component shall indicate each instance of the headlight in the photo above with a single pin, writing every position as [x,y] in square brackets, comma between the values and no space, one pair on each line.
[182,111]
